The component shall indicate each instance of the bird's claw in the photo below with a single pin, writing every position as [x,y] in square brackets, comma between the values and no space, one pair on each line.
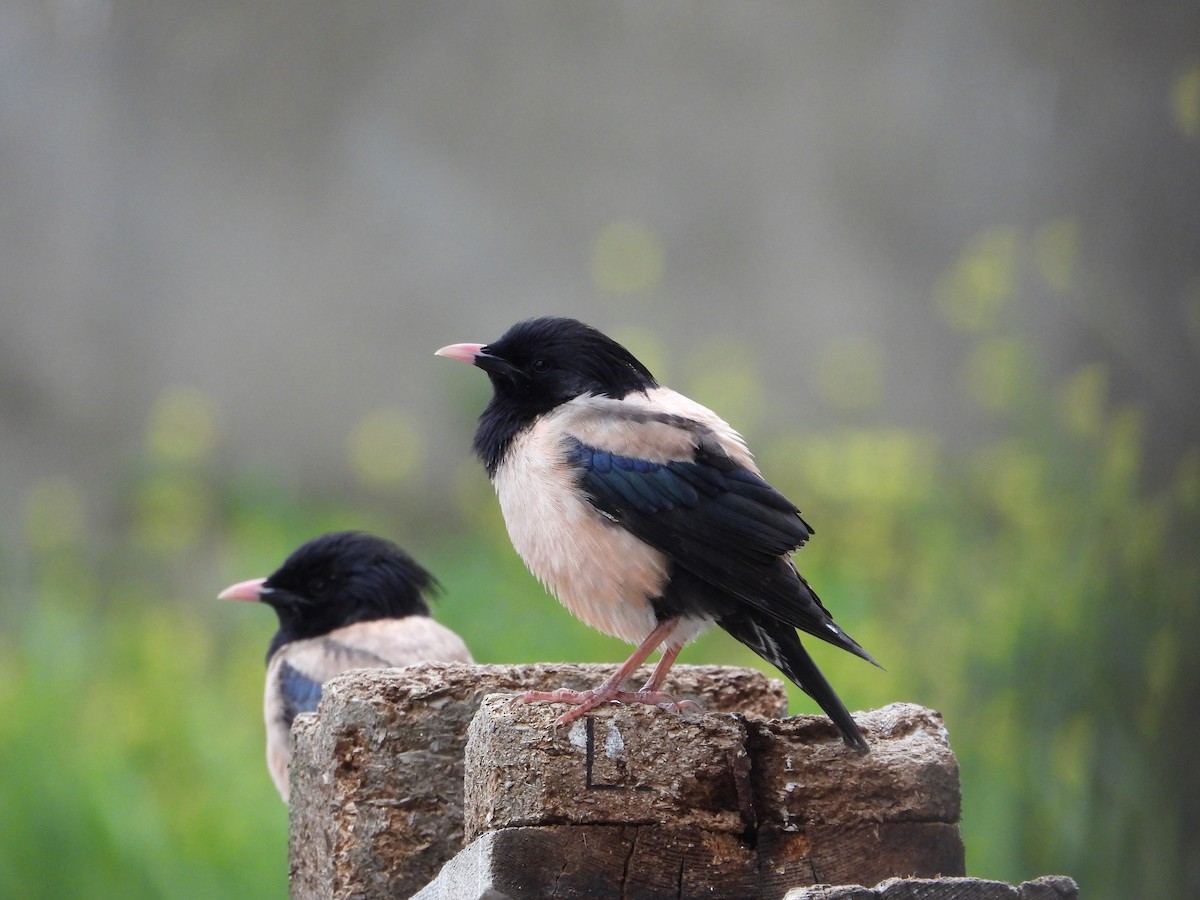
[663,701]
[680,706]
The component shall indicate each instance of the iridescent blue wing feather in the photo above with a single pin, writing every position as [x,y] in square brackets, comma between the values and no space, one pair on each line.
[299,692]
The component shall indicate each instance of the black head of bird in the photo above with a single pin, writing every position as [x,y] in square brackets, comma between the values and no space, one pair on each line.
[335,580]
[540,364]
[345,600]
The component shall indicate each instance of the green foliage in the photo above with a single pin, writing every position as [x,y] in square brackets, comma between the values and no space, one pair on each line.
[1035,590]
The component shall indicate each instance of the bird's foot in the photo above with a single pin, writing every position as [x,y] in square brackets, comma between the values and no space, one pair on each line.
[585,701]
[670,704]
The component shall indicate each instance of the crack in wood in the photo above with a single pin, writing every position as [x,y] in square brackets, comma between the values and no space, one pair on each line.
[590,760]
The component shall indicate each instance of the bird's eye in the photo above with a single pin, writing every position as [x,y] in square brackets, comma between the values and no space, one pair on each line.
[541,365]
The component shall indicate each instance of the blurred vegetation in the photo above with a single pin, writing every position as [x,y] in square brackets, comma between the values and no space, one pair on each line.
[1034,586]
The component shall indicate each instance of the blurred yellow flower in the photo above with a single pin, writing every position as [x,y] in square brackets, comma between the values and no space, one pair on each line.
[1185,100]
[182,426]
[873,466]
[981,281]
[385,448]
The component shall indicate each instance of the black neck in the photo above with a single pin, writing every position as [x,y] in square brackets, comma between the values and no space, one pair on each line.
[499,426]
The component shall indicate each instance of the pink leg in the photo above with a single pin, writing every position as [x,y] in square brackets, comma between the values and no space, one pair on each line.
[652,689]
[610,690]
[660,671]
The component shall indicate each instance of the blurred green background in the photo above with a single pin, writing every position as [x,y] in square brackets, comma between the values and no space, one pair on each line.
[939,263]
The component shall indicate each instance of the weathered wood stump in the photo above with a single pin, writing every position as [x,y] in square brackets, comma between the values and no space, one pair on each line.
[402,767]
[637,802]
[377,774]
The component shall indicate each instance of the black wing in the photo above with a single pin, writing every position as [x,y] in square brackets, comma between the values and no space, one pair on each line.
[718,520]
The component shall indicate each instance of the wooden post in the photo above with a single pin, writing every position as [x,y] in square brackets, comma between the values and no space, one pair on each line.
[433,782]
[856,819]
[638,802]
[377,774]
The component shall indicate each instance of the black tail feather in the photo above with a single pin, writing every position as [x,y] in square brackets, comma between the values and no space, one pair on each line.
[818,622]
[778,644]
